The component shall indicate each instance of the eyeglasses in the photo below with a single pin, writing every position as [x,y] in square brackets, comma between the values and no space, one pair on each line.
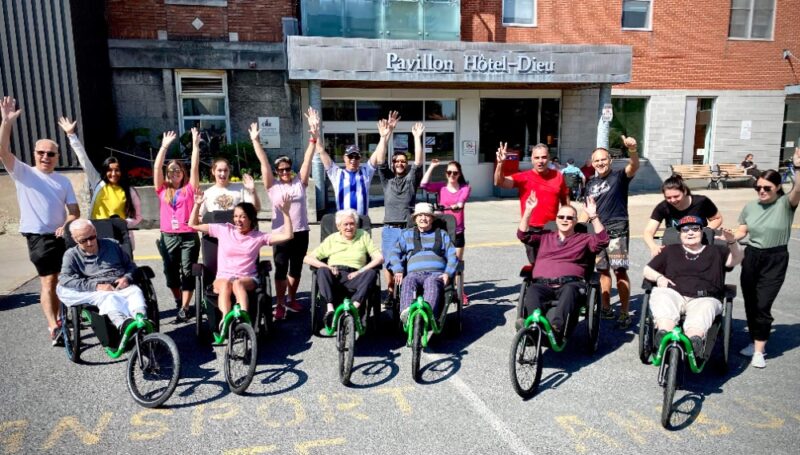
[694,228]
[353,157]
[566,217]
[86,240]
[766,189]
[400,162]
[284,170]
[452,172]
[49,154]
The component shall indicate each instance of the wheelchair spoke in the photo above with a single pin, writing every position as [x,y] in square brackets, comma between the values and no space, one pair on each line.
[153,369]
[241,356]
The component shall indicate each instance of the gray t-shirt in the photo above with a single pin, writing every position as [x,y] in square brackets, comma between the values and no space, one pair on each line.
[84,272]
[399,192]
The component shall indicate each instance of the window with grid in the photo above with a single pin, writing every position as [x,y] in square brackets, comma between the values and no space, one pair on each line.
[203,103]
[752,19]
[519,12]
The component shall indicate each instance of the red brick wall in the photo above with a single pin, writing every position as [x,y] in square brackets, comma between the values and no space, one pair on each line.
[688,47]
[253,20]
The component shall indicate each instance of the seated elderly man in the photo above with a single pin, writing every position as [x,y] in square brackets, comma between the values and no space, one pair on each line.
[690,280]
[347,268]
[98,272]
[430,259]
[561,263]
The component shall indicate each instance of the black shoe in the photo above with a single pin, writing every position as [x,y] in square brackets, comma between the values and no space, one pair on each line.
[178,303]
[329,318]
[184,314]
[659,336]
[125,325]
[557,333]
[697,346]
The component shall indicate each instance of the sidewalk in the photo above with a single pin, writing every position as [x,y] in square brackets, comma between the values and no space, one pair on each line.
[490,223]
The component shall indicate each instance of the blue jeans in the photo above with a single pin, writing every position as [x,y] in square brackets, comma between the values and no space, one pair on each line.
[389,237]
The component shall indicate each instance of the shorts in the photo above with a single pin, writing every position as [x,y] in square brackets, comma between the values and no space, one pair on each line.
[459,241]
[289,256]
[256,278]
[389,237]
[46,252]
[615,255]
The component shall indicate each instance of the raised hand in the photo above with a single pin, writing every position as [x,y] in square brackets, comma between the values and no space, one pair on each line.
[502,151]
[628,142]
[531,202]
[434,162]
[418,129]
[590,206]
[286,204]
[313,122]
[169,136]
[195,137]
[254,131]
[7,109]
[248,182]
[394,117]
[67,125]
[796,158]
[199,198]
[726,234]
[383,128]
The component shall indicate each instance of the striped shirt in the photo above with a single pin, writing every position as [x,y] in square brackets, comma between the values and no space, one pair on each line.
[351,188]
[425,260]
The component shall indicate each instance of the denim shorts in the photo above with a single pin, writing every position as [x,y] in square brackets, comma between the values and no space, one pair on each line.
[389,237]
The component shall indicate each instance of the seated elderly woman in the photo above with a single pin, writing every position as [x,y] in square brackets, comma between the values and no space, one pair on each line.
[561,263]
[347,253]
[429,257]
[690,280]
[98,272]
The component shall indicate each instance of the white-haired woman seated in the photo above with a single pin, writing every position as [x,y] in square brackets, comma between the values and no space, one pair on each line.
[347,252]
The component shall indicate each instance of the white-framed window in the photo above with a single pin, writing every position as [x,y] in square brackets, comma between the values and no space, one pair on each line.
[203,103]
[752,19]
[637,14]
[519,13]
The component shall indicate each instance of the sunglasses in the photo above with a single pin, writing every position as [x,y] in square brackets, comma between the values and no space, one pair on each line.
[566,217]
[49,154]
[686,229]
[354,157]
[284,170]
[452,172]
[766,189]
[400,161]
[86,240]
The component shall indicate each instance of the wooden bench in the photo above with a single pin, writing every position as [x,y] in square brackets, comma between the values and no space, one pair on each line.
[733,171]
[700,172]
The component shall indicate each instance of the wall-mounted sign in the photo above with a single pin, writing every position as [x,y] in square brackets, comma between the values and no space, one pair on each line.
[469,147]
[747,130]
[473,63]
[608,112]
[270,132]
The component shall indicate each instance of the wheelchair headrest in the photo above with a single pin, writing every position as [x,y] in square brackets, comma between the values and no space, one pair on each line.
[327,225]
[110,228]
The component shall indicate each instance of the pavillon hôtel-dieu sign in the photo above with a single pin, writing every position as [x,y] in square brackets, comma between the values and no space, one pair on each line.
[430,63]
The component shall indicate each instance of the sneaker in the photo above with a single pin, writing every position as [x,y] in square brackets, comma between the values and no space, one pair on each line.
[748,351]
[329,318]
[294,307]
[697,345]
[758,360]
[659,336]
[55,337]
[184,314]
[280,312]
[519,323]
[624,321]
[607,313]
[464,300]
[404,317]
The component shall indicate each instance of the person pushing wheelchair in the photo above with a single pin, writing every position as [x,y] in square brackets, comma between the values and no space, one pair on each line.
[690,280]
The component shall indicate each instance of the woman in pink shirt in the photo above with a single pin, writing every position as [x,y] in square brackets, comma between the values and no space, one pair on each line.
[239,244]
[452,195]
[179,245]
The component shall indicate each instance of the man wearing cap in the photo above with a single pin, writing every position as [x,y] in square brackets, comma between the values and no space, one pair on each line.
[430,259]
[690,280]
[546,183]
[351,184]
[609,187]
[42,195]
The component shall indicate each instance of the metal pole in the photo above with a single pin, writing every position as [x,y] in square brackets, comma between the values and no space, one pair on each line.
[317,169]
[603,127]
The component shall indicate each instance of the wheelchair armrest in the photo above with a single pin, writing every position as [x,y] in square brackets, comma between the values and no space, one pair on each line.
[647,286]
[143,273]
[197,269]
[594,280]
[730,292]
[264,267]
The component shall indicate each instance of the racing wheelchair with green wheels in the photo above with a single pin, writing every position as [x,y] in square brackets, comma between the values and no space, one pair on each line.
[528,348]
[238,330]
[674,353]
[154,364]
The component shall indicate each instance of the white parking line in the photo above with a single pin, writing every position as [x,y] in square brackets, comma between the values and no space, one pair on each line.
[512,440]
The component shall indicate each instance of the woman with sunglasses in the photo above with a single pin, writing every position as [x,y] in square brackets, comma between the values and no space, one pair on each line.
[288,256]
[224,195]
[452,195]
[111,193]
[179,244]
[768,223]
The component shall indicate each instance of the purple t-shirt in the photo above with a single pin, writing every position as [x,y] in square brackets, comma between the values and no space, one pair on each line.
[298,211]
[238,254]
[448,198]
[555,258]
[179,208]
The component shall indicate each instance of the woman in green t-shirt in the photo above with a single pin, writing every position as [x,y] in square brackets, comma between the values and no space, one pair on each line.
[768,222]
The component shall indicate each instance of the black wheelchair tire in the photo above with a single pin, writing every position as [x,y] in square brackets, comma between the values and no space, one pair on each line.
[316,311]
[345,344]
[526,352]
[416,347]
[593,319]
[151,346]
[645,332]
[241,336]
[672,357]
[71,332]
[727,319]
[523,287]
[458,291]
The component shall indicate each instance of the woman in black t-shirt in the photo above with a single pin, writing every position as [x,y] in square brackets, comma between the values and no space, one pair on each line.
[750,167]
[678,202]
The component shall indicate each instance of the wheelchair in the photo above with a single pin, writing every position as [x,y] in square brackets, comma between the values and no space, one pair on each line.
[154,364]
[421,318]
[675,349]
[527,351]
[347,319]
[575,185]
[240,330]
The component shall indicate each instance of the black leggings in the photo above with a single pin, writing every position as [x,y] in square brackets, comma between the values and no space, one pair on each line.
[763,273]
[567,295]
[289,256]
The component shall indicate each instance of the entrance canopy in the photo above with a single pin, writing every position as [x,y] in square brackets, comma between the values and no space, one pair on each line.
[377,60]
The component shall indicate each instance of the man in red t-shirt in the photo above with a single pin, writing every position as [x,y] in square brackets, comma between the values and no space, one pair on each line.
[547,184]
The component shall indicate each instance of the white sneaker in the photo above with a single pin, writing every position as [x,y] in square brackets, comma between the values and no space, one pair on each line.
[748,351]
[758,360]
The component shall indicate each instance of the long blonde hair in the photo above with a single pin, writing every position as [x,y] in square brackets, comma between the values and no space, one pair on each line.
[170,191]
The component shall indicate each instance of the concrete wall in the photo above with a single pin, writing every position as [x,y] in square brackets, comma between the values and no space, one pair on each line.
[579,111]
[144,98]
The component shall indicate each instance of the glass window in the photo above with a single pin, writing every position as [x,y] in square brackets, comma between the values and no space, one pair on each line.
[440,110]
[515,121]
[338,110]
[751,19]
[791,129]
[519,12]
[629,119]
[361,19]
[336,143]
[548,131]
[371,111]
[442,19]
[402,20]
[439,145]
[203,103]
[323,17]
[636,13]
